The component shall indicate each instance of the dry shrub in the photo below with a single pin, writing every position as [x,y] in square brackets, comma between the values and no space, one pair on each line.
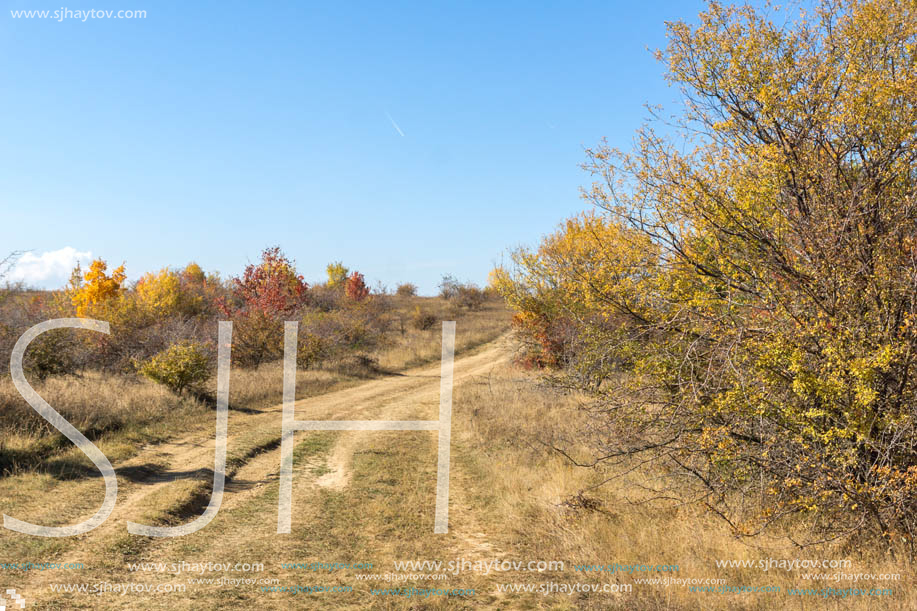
[422,320]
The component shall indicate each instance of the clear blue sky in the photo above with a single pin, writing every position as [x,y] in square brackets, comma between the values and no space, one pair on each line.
[210,130]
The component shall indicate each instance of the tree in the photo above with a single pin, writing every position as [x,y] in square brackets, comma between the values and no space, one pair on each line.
[161,292]
[7,263]
[262,298]
[449,287]
[193,274]
[185,293]
[581,277]
[462,294]
[337,274]
[770,321]
[272,287]
[96,287]
[355,287]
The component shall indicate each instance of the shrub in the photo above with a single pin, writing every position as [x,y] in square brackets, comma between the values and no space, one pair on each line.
[257,339]
[406,290]
[51,353]
[163,295]
[178,367]
[312,350]
[104,297]
[567,288]
[271,287]
[339,334]
[470,297]
[422,320]
[463,294]
[325,299]
[193,274]
[184,293]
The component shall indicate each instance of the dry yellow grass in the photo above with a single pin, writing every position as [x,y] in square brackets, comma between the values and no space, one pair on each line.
[415,347]
[505,416]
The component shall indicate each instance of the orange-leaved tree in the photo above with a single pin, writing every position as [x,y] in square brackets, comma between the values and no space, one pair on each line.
[96,287]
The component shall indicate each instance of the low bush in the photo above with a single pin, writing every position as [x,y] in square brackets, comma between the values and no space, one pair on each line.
[54,352]
[465,295]
[422,320]
[470,297]
[178,367]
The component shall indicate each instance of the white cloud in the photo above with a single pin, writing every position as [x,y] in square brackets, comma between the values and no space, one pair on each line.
[49,269]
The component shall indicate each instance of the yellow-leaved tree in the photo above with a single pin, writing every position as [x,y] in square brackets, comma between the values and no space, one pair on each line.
[754,270]
[186,293]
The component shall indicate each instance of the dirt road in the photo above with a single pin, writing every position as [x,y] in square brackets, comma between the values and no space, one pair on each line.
[331,521]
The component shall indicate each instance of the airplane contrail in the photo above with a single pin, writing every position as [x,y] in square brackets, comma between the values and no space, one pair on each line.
[395,125]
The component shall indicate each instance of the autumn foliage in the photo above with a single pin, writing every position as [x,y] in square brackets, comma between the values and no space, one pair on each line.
[265,295]
[355,287]
[337,274]
[96,288]
[156,321]
[754,273]
[272,287]
[187,292]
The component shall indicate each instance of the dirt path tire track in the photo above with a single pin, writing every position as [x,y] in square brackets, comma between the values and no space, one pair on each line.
[392,398]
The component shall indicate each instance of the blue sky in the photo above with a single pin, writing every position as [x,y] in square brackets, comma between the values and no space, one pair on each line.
[210,130]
